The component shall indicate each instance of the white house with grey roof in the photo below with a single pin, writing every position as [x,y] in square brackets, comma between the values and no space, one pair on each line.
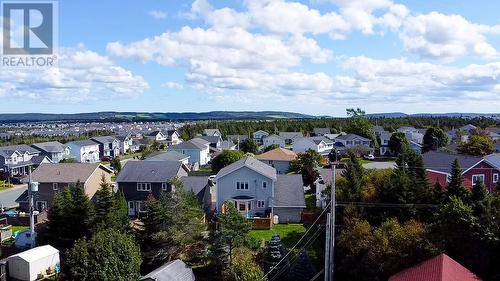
[197,149]
[84,151]
[272,140]
[256,190]
[169,156]
[15,160]
[54,150]
[321,145]
[108,146]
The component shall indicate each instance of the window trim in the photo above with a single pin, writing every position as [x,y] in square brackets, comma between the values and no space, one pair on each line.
[245,183]
[497,176]
[143,186]
[55,186]
[44,202]
[264,184]
[164,186]
[478,175]
[261,204]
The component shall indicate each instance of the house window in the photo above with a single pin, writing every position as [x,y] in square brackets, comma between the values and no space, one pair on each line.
[495,178]
[41,205]
[164,186]
[477,179]
[143,186]
[131,204]
[249,205]
[264,184]
[141,206]
[242,207]
[261,204]
[241,185]
[55,186]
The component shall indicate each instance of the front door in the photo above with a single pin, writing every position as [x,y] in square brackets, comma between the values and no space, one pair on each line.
[131,208]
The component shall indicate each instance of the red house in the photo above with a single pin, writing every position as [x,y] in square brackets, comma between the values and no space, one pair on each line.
[439,268]
[474,169]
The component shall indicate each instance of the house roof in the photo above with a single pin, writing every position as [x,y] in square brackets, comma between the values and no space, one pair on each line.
[195,143]
[441,161]
[175,270]
[149,171]
[318,140]
[350,137]
[84,143]
[438,268]
[236,137]
[291,135]
[51,146]
[252,164]
[210,139]
[65,172]
[104,139]
[22,148]
[211,132]
[289,191]
[154,133]
[167,156]
[493,160]
[37,253]
[278,154]
[196,184]
[321,131]
[122,138]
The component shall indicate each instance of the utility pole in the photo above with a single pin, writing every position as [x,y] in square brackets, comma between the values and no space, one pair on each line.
[32,186]
[330,227]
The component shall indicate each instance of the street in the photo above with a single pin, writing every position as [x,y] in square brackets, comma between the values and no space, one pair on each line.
[9,196]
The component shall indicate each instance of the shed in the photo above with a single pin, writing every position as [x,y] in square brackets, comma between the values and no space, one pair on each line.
[27,265]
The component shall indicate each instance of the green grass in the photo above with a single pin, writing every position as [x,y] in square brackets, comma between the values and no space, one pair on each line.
[131,155]
[289,233]
[18,228]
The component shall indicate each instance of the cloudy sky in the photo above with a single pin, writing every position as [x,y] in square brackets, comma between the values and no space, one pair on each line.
[317,57]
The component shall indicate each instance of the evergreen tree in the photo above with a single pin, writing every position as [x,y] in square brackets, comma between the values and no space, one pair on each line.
[233,228]
[103,204]
[353,174]
[276,266]
[456,185]
[108,255]
[303,270]
[249,146]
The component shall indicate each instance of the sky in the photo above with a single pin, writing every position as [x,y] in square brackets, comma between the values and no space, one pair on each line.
[315,57]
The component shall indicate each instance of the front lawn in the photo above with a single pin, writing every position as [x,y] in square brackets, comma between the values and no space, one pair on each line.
[289,233]
[18,228]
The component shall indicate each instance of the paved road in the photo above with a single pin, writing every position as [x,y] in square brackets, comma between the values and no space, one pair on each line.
[9,196]
[379,165]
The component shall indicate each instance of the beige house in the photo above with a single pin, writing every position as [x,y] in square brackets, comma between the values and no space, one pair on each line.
[54,178]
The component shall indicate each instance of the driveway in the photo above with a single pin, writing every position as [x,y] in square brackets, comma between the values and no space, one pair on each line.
[379,165]
[9,196]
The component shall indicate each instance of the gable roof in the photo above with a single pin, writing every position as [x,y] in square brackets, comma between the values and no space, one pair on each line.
[196,184]
[493,160]
[22,148]
[211,132]
[439,268]
[167,156]
[250,163]
[154,133]
[50,146]
[104,139]
[175,270]
[291,135]
[289,191]
[321,131]
[350,137]
[319,139]
[195,143]
[278,154]
[211,139]
[149,171]
[83,143]
[65,172]
[37,253]
[441,161]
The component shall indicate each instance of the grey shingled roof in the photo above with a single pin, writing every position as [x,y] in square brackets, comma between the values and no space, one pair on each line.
[8,150]
[84,142]
[167,156]
[252,164]
[289,191]
[210,139]
[441,161]
[51,146]
[196,184]
[211,132]
[64,172]
[105,139]
[195,143]
[175,270]
[321,131]
[291,135]
[149,171]
[349,137]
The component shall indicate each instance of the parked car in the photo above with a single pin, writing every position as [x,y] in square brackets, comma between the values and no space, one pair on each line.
[106,158]
[369,157]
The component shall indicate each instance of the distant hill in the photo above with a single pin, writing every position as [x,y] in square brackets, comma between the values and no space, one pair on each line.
[455,115]
[155,116]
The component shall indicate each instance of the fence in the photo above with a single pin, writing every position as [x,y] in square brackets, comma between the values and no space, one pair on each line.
[261,223]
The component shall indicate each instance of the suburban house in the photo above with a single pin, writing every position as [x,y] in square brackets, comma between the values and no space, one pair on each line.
[84,151]
[199,185]
[169,156]
[353,140]
[215,141]
[54,150]
[108,146]
[256,190]
[5,136]
[16,160]
[173,137]
[157,136]
[273,139]
[126,144]
[438,268]
[321,132]
[385,137]
[485,169]
[259,136]
[212,132]
[493,133]
[54,178]
[138,179]
[278,158]
[197,149]
[290,137]
[321,145]
[237,138]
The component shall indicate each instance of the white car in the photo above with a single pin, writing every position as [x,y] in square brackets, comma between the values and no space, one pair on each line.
[369,157]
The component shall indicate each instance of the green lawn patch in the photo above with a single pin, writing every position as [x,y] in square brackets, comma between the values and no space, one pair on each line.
[289,233]
[18,228]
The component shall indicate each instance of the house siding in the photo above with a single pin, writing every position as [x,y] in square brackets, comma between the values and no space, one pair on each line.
[282,167]
[480,169]
[131,193]
[288,214]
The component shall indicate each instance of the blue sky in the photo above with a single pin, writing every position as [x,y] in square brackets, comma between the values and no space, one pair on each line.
[316,57]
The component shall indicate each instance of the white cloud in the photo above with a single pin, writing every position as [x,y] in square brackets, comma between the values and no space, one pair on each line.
[82,75]
[173,85]
[157,14]
[440,36]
